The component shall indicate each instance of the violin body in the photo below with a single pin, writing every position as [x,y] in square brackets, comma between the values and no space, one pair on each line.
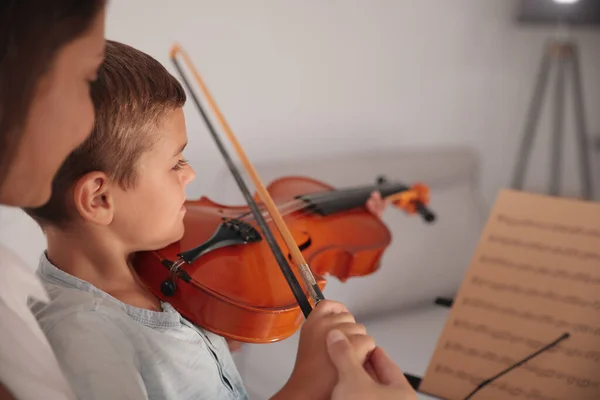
[236,288]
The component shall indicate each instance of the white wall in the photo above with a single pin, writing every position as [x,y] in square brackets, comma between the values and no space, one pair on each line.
[297,78]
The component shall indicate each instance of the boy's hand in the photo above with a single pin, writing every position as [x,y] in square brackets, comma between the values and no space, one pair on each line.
[376,204]
[314,375]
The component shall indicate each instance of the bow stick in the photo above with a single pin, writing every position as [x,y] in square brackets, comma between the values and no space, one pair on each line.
[313,289]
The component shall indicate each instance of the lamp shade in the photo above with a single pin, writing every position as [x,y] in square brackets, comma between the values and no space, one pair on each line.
[551,12]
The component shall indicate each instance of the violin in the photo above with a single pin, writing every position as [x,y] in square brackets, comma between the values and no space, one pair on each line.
[229,273]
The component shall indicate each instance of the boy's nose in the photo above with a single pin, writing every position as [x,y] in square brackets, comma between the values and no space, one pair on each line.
[188,175]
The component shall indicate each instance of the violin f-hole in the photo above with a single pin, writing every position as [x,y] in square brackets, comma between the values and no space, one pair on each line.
[303,246]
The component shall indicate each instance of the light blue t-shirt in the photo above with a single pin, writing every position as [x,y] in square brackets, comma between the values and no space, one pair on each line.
[111,350]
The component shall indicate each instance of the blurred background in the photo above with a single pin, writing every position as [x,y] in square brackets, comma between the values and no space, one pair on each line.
[307,77]
[343,90]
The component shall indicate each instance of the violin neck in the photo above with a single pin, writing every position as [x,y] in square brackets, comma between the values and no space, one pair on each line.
[339,200]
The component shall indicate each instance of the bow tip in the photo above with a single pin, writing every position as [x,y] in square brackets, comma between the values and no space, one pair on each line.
[176,48]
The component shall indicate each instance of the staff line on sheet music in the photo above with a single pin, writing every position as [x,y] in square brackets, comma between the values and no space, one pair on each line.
[503,335]
[544,248]
[541,318]
[549,373]
[513,221]
[511,390]
[558,273]
[569,299]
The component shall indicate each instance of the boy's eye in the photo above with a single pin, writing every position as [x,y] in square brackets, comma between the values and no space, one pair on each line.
[180,164]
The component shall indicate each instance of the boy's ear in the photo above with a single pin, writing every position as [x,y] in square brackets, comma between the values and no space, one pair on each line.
[93,198]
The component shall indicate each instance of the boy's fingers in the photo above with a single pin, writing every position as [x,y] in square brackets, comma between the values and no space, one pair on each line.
[329,321]
[342,355]
[351,328]
[330,307]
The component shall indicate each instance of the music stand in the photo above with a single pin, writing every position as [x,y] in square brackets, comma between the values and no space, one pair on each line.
[525,318]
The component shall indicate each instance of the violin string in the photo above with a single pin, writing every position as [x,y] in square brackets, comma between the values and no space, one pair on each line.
[325,196]
[291,207]
[283,211]
[337,192]
[297,205]
[317,198]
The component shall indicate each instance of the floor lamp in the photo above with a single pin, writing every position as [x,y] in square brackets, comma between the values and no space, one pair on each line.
[563,53]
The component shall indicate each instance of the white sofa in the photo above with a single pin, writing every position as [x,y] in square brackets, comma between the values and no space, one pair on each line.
[423,262]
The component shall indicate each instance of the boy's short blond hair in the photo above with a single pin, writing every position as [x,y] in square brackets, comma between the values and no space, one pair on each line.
[131,96]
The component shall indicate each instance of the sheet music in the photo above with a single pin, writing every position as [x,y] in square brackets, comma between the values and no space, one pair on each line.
[534,276]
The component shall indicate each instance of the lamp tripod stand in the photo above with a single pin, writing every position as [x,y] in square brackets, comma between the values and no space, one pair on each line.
[565,54]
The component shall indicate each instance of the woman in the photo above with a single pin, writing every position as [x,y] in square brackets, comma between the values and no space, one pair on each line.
[49,54]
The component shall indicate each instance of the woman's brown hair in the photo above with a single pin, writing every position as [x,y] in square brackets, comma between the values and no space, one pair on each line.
[31,33]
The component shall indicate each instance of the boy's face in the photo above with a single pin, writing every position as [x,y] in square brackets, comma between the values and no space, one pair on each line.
[150,215]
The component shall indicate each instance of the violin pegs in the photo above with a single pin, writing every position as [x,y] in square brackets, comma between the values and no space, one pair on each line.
[427,215]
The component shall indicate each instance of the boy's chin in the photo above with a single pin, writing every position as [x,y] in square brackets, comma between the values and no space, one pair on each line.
[161,243]
[174,237]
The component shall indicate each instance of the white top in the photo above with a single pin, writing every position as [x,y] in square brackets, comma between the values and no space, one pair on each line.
[28,367]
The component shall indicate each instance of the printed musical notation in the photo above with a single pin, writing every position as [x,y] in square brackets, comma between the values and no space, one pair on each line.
[496,357]
[558,273]
[506,390]
[534,276]
[549,319]
[556,250]
[533,344]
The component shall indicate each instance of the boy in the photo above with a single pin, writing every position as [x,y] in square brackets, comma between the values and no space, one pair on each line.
[113,338]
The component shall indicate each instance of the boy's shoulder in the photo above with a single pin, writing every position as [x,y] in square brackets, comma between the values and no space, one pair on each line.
[82,326]
[74,307]
[71,300]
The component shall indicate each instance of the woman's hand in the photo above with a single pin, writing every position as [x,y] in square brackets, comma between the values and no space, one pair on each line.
[314,376]
[382,379]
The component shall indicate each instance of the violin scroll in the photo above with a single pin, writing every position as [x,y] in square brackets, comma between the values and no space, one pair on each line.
[414,200]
